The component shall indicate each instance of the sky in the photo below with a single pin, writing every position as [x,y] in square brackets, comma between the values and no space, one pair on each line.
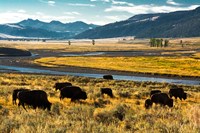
[90,11]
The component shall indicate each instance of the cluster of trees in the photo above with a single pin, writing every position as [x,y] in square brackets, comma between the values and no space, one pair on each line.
[93,42]
[154,42]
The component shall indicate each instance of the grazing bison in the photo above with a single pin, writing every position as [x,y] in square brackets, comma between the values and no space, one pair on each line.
[162,99]
[14,94]
[148,103]
[177,92]
[73,92]
[59,86]
[107,91]
[154,91]
[107,77]
[34,98]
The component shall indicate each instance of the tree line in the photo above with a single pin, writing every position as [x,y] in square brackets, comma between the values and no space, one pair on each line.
[155,42]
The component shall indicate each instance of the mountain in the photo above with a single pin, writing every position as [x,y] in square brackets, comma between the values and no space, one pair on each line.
[38,29]
[174,24]
[57,26]
[20,31]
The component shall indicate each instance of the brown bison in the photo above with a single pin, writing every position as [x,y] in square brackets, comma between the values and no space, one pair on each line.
[59,86]
[73,92]
[162,99]
[148,103]
[14,94]
[34,98]
[107,77]
[154,91]
[107,91]
[177,93]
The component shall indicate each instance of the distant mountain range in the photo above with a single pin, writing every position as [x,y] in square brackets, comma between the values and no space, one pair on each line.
[174,24]
[38,29]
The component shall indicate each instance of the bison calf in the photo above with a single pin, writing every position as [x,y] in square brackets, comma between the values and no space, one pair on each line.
[14,94]
[73,92]
[107,91]
[162,99]
[177,93]
[34,98]
[148,103]
[107,77]
[59,86]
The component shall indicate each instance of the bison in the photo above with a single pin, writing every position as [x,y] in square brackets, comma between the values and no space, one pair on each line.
[162,99]
[59,86]
[177,92]
[107,77]
[73,92]
[148,103]
[107,91]
[154,91]
[34,98]
[14,94]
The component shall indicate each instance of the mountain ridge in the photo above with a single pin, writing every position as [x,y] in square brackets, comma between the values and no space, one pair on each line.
[173,24]
[39,29]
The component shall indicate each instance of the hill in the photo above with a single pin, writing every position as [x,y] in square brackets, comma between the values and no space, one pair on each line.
[38,29]
[174,24]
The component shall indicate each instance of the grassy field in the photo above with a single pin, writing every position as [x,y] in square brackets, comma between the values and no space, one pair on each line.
[100,45]
[123,114]
[181,66]
[97,113]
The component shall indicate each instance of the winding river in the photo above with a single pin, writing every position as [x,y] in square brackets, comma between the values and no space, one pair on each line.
[117,77]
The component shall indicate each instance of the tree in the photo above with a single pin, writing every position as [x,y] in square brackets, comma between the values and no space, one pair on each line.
[93,42]
[69,42]
[166,43]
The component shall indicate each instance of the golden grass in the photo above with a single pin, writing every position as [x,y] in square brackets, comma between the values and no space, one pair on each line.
[76,46]
[96,114]
[100,45]
[182,66]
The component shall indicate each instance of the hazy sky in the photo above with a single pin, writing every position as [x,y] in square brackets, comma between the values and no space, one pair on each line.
[89,11]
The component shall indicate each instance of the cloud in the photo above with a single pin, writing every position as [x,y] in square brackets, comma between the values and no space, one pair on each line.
[171,2]
[114,2]
[72,13]
[144,9]
[21,11]
[14,17]
[49,2]
[81,5]
[113,17]
[100,0]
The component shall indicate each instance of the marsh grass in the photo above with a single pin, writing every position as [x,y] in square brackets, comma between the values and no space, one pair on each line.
[124,113]
[178,65]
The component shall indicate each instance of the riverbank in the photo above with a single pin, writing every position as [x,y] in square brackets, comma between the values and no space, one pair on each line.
[114,50]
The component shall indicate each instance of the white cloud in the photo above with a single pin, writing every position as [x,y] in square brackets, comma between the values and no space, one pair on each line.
[144,9]
[100,0]
[114,2]
[21,11]
[82,5]
[115,18]
[49,2]
[171,2]
[13,17]
[72,13]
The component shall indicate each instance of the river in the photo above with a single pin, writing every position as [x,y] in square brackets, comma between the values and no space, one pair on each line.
[4,68]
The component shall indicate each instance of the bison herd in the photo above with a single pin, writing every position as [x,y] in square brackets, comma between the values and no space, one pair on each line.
[157,97]
[39,99]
